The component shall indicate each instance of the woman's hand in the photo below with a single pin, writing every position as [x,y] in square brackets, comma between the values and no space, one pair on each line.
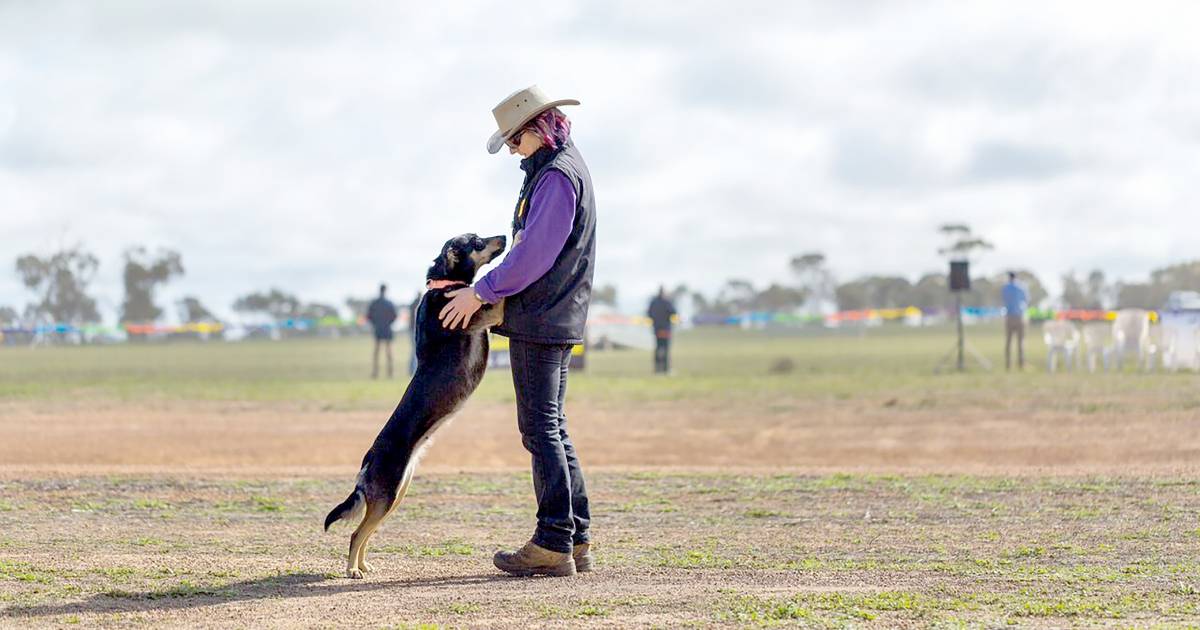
[462,306]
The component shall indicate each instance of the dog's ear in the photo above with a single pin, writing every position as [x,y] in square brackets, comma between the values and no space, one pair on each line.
[451,258]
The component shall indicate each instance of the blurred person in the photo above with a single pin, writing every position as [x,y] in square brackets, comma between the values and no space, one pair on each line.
[660,313]
[546,282]
[381,313]
[1015,303]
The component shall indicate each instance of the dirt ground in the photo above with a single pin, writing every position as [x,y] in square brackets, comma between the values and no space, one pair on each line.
[883,435]
[673,549]
[833,513]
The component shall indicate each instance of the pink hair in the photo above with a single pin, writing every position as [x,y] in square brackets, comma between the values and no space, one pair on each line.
[552,126]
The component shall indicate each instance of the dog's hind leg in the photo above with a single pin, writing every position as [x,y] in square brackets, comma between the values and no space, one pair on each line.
[376,510]
[362,563]
[359,554]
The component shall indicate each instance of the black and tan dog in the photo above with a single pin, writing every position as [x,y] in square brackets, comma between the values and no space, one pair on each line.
[450,364]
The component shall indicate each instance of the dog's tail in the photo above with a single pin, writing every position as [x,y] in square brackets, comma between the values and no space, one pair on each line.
[351,508]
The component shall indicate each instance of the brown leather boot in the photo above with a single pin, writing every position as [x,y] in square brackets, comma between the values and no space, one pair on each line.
[534,560]
[582,555]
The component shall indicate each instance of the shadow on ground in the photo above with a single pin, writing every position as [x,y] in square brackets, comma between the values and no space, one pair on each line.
[271,587]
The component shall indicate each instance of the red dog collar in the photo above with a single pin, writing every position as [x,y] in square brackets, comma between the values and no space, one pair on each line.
[430,285]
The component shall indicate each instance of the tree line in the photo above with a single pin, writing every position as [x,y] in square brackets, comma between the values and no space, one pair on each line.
[60,283]
[931,292]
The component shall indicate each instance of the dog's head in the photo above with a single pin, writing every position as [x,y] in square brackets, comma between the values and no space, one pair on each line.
[463,255]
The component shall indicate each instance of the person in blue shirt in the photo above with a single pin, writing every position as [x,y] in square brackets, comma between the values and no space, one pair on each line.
[381,313]
[1015,303]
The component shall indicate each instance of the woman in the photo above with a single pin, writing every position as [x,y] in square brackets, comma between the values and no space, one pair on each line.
[546,281]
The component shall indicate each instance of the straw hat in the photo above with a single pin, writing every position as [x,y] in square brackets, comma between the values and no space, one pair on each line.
[519,108]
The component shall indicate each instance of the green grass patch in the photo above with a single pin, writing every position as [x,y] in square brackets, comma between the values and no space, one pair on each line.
[268,504]
[885,365]
[453,547]
[24,572]
[151,504]
[184,589]
[590,609]
[704,558]
[762,513]
[463,608]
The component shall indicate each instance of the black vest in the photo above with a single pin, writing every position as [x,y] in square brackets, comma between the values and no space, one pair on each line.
[554,308]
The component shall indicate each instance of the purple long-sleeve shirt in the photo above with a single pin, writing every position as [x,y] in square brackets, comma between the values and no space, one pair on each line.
[551,216]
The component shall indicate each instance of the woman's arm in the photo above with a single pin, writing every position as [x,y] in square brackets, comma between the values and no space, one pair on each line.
[551,217]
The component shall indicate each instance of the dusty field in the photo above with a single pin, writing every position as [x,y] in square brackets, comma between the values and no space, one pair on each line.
[960,434]
[673,549]
[185,486]
[208,514]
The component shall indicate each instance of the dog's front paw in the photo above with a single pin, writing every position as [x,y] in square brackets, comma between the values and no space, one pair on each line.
[354,574]
[365,567]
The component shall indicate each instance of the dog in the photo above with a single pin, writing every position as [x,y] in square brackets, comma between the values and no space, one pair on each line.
[450,364]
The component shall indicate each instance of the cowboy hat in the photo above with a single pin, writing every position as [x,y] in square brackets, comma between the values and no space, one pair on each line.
[519,108]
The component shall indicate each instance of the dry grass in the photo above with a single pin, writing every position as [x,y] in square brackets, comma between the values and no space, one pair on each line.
[673,549]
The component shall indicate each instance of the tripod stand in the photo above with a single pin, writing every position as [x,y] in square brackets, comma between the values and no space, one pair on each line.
[961,344]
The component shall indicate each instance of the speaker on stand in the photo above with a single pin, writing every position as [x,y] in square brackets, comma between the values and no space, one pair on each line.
[960,281]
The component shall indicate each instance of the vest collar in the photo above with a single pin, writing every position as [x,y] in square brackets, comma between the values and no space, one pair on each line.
[433,285]
[536,162]
[540,158]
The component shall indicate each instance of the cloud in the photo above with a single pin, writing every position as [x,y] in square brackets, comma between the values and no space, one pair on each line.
[863,159]
[324,149]
[1003,161]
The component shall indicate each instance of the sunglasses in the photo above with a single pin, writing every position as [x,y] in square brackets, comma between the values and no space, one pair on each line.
[514,140]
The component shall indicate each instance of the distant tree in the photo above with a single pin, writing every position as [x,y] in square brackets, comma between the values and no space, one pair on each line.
[8,316]
[1074,295]
[191,311]
[814,279]
[1099,293]
[961,243]
[875,292]
[1178,277]
[316,310]
[274,303]
[606,294]
[1140,295]
[61,282]
[1090,293]
[984,293]
[678,294]
[1163,282]
[931,292]
[778,298]
[737,295]
[143,273]
[705,307]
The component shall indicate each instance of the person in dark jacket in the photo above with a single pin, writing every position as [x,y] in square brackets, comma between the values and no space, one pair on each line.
[660,313]
[381,313]
[546,282]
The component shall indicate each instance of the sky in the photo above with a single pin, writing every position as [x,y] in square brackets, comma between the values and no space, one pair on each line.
[322,148]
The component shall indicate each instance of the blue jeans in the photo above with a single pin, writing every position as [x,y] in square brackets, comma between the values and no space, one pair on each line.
[540,380]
